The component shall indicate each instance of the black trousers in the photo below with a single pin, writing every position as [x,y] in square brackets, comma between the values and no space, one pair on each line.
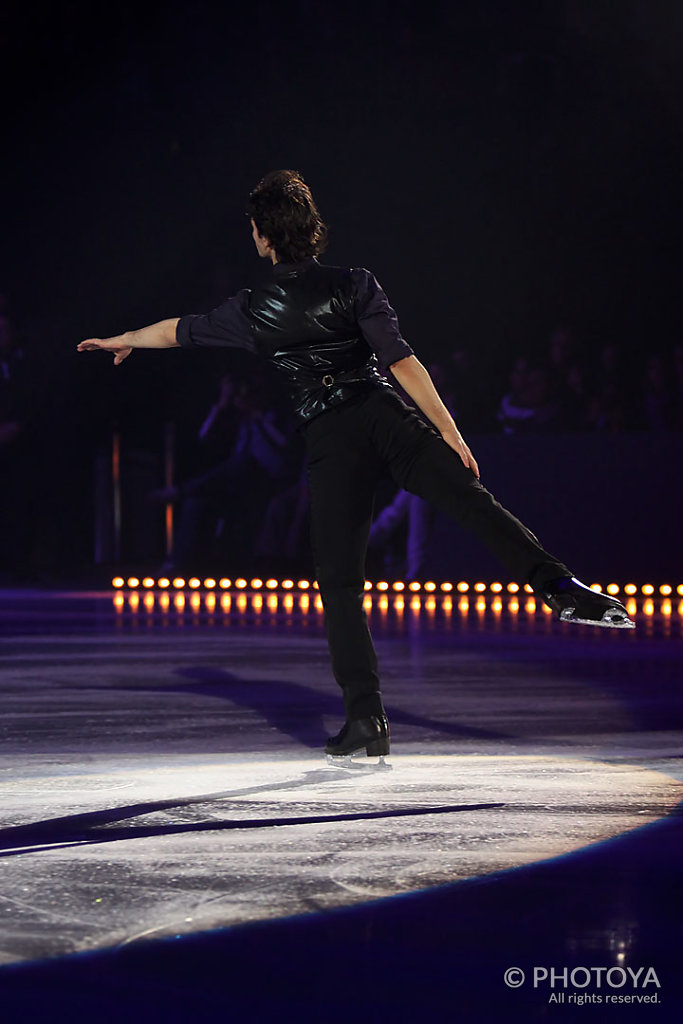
[349,447]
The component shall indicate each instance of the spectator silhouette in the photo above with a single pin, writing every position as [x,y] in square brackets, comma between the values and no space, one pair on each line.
[658,398]
[532,402]
[17,414]
[611,407]
[222,507]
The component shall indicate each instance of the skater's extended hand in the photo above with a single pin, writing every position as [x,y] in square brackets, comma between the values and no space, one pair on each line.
[454,438]
[116,345]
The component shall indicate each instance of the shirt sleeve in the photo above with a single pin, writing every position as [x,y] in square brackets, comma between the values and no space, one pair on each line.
[378,321]
[227,326]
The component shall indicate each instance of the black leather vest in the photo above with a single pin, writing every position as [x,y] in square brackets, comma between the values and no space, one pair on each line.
[303,322]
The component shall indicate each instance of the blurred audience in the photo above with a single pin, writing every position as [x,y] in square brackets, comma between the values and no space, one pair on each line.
[533,400]
[249,458]
[17,414]
[243,490]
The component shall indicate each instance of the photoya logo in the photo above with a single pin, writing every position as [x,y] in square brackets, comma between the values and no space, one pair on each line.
[582,977]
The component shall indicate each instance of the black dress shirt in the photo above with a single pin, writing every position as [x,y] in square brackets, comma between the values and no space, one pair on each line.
[329,330]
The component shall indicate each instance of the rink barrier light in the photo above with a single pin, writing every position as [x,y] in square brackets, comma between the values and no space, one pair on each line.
[199,593]
[648,590]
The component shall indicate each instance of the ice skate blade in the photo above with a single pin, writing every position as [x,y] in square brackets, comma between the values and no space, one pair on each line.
[366,764]
[610,619]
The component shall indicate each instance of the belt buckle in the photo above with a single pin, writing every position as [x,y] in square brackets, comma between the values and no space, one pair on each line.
[328,380]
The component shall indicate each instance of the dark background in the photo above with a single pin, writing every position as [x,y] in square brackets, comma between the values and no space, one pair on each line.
[503,168]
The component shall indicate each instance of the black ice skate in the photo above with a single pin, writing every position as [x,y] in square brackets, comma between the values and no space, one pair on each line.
[371,734]
[573,601]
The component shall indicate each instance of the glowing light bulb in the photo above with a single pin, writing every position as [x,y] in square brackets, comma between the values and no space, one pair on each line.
[163,583]
[193,582]
[429,587]
[513,588]
[179,583]
[496,588]
[463,587]
[303,585]
[367,586]
[240,583]
[148,582]
[447,587]
[414,586]
[665,589]
[256,584]
[287,584]
[271,584]
[647,588]
[209,583]
[612,588]
[398,586]
[225,584]
[133,582]
[630,588]
[118,581]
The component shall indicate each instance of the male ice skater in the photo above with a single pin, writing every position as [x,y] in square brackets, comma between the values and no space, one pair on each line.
[329,330]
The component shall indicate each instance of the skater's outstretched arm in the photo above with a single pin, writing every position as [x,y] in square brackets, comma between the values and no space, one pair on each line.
[416,382]
[159,335]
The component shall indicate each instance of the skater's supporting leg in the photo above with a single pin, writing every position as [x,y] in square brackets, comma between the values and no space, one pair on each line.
[342,482]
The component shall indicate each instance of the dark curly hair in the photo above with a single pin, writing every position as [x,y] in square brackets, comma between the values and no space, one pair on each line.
[285,213]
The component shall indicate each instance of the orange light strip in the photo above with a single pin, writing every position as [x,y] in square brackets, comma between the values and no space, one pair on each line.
[245,600]
[208,583]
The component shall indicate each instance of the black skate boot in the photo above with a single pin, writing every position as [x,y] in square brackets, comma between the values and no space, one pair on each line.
[573,601]
[369,733]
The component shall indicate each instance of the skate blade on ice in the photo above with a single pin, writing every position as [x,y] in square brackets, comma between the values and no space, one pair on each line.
[347,761]
[612,618]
